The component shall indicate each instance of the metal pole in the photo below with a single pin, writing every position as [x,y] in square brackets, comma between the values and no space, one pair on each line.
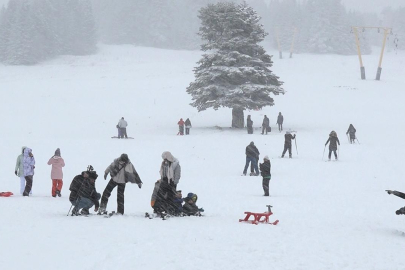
[362,69]
[292,43]
[381,55]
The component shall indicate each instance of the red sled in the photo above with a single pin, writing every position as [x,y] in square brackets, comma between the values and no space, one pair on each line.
[257,217]
[6,194]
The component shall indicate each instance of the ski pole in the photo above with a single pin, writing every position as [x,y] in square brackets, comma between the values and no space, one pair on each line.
[296,148]
[357,140]
[69,210]
[323,152]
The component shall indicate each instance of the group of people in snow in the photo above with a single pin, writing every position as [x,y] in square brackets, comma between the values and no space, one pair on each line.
[184,124]
[265,124]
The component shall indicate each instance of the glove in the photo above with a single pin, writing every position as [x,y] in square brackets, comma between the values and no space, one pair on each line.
[389,192]
[140,185]
[105,176]
[15,173]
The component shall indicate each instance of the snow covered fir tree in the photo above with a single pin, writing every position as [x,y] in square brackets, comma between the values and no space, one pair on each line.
[235,72]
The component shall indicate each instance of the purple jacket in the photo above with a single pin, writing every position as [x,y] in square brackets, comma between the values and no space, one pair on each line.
[57,164]
[28,162]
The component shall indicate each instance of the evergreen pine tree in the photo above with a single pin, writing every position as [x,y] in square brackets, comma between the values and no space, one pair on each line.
[236,72]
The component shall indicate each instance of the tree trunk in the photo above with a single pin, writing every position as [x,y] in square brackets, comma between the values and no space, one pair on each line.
[238,119]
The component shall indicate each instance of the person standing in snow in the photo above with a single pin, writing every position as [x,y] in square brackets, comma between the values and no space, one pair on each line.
[352,133]
[181,127]
[170,173]
[266,124]
[19,170]
[287,143]
[83,193]
[122,124]
[400,211]
[121,171]
[57,163]
[252,156]
[29,166]
[333,142]
[188,126]
[249,125]
[265,172]
[280,120]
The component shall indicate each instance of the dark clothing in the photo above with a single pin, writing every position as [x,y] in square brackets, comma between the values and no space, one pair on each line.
[123,133]
[252,151]
[334,152]
[120,195]
[249,124]
[399,194]
[253,163]
[75,187]
[266,186]
[187,131]
[265,168]
[82,188]
[265,125]
[352,133]
[28,185]
[288,138]
[190,208]
[280,120]
[333,142]
[400,211]
[187,123]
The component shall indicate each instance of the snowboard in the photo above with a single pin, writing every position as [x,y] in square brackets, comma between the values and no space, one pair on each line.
[6,194]
[115,137]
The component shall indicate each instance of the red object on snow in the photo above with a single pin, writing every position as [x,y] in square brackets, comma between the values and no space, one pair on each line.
[6,194]
[258,218]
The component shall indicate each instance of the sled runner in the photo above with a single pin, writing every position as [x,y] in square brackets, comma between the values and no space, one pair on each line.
[6,194]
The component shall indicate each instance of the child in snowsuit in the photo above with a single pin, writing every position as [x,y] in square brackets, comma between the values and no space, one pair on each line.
[57,163]
[352,133]
[333,142]
[265,172]
[190,208]
[400,211]
[287,143]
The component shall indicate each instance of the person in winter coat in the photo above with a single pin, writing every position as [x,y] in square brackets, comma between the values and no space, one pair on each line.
[181,127]
[19,170]
[249,124]
[352,133]
[333,142]
[170,173]
[122,124]
[121,171]
[190,208]
[280,120]
[265,125]
[400,211]
[29,166]
[252,156]
[265,172]
[287,143]
[83,193]
[160,203]
[57,163]
[188,126]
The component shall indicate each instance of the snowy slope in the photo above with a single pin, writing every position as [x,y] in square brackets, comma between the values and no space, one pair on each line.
[333,215]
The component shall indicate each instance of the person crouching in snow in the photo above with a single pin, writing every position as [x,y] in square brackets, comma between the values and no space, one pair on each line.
[57,163]
[83,193]
[400,211]
[29,166]
[190,208]
[265,172]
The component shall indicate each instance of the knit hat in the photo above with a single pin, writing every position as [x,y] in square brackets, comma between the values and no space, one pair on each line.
[57,152]
[93,175]
[167,155]
[192,196]
[124,157]
[266,158]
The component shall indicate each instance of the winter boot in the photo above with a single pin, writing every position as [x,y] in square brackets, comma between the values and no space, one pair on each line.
[58,193]
[85,212]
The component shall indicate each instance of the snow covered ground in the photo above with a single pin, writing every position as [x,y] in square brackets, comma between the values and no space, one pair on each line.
[333,215]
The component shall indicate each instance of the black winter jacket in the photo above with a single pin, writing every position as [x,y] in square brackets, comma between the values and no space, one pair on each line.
[333,142]
[82,187]
[288,138]
[265,168]
[252,151]
[280,119]
[266,122]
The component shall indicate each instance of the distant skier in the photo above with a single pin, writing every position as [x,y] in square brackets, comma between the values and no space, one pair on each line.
[400,211]
[19,170]
[252,156]
[83,193]
[287,143]
[265,172]
[249,124]
[265,125]
[181,127]
[280,120]
[57,163]
[333,142]
[188,126]
[122,124]
[352,133]
[121,171]
[29,166]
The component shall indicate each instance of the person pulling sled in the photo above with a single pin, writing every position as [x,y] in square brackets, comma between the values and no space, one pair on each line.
[400,211]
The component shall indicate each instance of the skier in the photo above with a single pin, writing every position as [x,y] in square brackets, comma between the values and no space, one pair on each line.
[265,125]
[83,193]
[29,166]
[19,170]
[181,127]
[265,171]
[170,173]
[400,211]
[280,120]
[287,143]
[122,124]
[352,133]
[121,171]
[57,163]
[188,126]
[190,208]
[249,124]
[333,141]
[252,156]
